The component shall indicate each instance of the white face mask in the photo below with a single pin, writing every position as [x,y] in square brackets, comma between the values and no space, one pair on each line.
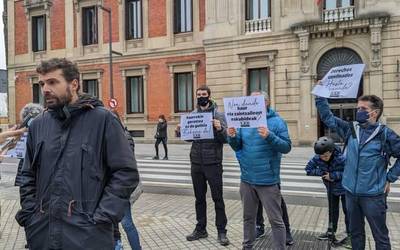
[160,120]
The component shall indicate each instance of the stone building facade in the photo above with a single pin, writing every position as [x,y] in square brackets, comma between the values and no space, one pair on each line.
[234,46]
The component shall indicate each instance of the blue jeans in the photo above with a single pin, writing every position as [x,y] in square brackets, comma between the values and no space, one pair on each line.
[374,209]
[130,230]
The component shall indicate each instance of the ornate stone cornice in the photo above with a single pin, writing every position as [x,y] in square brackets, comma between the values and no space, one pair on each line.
[270,54]
[368,24]
[77,3]
[29,5]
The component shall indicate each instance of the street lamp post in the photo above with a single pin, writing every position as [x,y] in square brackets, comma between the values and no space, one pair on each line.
[111,52]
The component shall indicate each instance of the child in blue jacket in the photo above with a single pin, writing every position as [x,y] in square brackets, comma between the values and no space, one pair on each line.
[329,164]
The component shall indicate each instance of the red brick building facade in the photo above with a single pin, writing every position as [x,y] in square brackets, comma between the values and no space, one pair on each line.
[153,60]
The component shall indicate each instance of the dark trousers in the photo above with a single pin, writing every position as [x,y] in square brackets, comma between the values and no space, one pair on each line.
[201,174]
[164,142]
[271,199]
[333,205]
[285,216]
[374,209]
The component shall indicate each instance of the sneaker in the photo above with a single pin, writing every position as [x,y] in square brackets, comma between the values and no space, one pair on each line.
[289,239]
[156,157]
[345,243]
[334,241]
[260,232]
[165,158]
[324,236]
[222,239]
[196,235]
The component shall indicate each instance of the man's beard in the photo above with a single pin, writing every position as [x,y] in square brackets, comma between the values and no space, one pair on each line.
[54,102]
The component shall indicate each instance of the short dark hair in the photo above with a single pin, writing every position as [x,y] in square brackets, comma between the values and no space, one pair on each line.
[204,87]
[375,101]
[69,69]
[162,117]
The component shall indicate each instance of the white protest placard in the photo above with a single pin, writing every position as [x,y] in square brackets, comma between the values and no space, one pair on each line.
[197,126]
[340,82]
[3,105]
[20,148]
[245,112]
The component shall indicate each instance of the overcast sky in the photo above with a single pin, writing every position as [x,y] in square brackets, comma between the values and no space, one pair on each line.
[2,48]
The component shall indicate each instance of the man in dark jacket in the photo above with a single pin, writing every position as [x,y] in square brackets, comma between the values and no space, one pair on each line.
[206,166]
[78,170]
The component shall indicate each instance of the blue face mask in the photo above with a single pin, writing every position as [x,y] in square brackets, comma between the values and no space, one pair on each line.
[362,116]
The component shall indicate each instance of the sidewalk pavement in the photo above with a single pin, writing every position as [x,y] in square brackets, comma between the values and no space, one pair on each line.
[163,222]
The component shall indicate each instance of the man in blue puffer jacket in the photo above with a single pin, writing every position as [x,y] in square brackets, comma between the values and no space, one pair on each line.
[366,180]
[260,227]
[261,152]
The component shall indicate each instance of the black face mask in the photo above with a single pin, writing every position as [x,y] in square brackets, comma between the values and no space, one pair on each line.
[203,101]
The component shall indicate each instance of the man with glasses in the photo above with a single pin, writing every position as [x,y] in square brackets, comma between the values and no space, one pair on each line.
[369,147]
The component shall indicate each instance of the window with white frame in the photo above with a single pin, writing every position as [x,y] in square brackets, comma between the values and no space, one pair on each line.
[134,19]
[183,91]
[258,9]
[89,25]
[338,10]
[335,4]
[91,87]
[37,96]
[258,80]
[183,16]
[134,95]
[39,33]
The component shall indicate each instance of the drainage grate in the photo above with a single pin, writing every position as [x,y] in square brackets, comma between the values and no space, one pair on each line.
[304,240]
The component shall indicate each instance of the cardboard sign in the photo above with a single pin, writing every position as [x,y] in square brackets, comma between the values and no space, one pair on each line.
[197,126]
[340,82]
[245,112]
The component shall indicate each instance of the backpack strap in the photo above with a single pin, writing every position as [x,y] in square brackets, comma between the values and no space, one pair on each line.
[353,130]
[353,134]
[384,148]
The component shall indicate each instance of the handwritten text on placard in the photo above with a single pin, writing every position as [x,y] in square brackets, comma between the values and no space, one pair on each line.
[245,112]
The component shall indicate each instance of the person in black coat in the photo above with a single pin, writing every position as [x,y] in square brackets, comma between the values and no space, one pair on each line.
[161,136]
[206,157]
[78,171]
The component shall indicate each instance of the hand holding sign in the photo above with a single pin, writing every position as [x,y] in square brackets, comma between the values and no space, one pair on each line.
[19,149]
[263,132]
[232,132]
[340,82]
[217,125]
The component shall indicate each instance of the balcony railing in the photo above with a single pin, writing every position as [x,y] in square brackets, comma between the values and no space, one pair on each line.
[339,14]
[258,25]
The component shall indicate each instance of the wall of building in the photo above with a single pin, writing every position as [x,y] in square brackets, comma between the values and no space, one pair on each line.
[220,52]
[230,51]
